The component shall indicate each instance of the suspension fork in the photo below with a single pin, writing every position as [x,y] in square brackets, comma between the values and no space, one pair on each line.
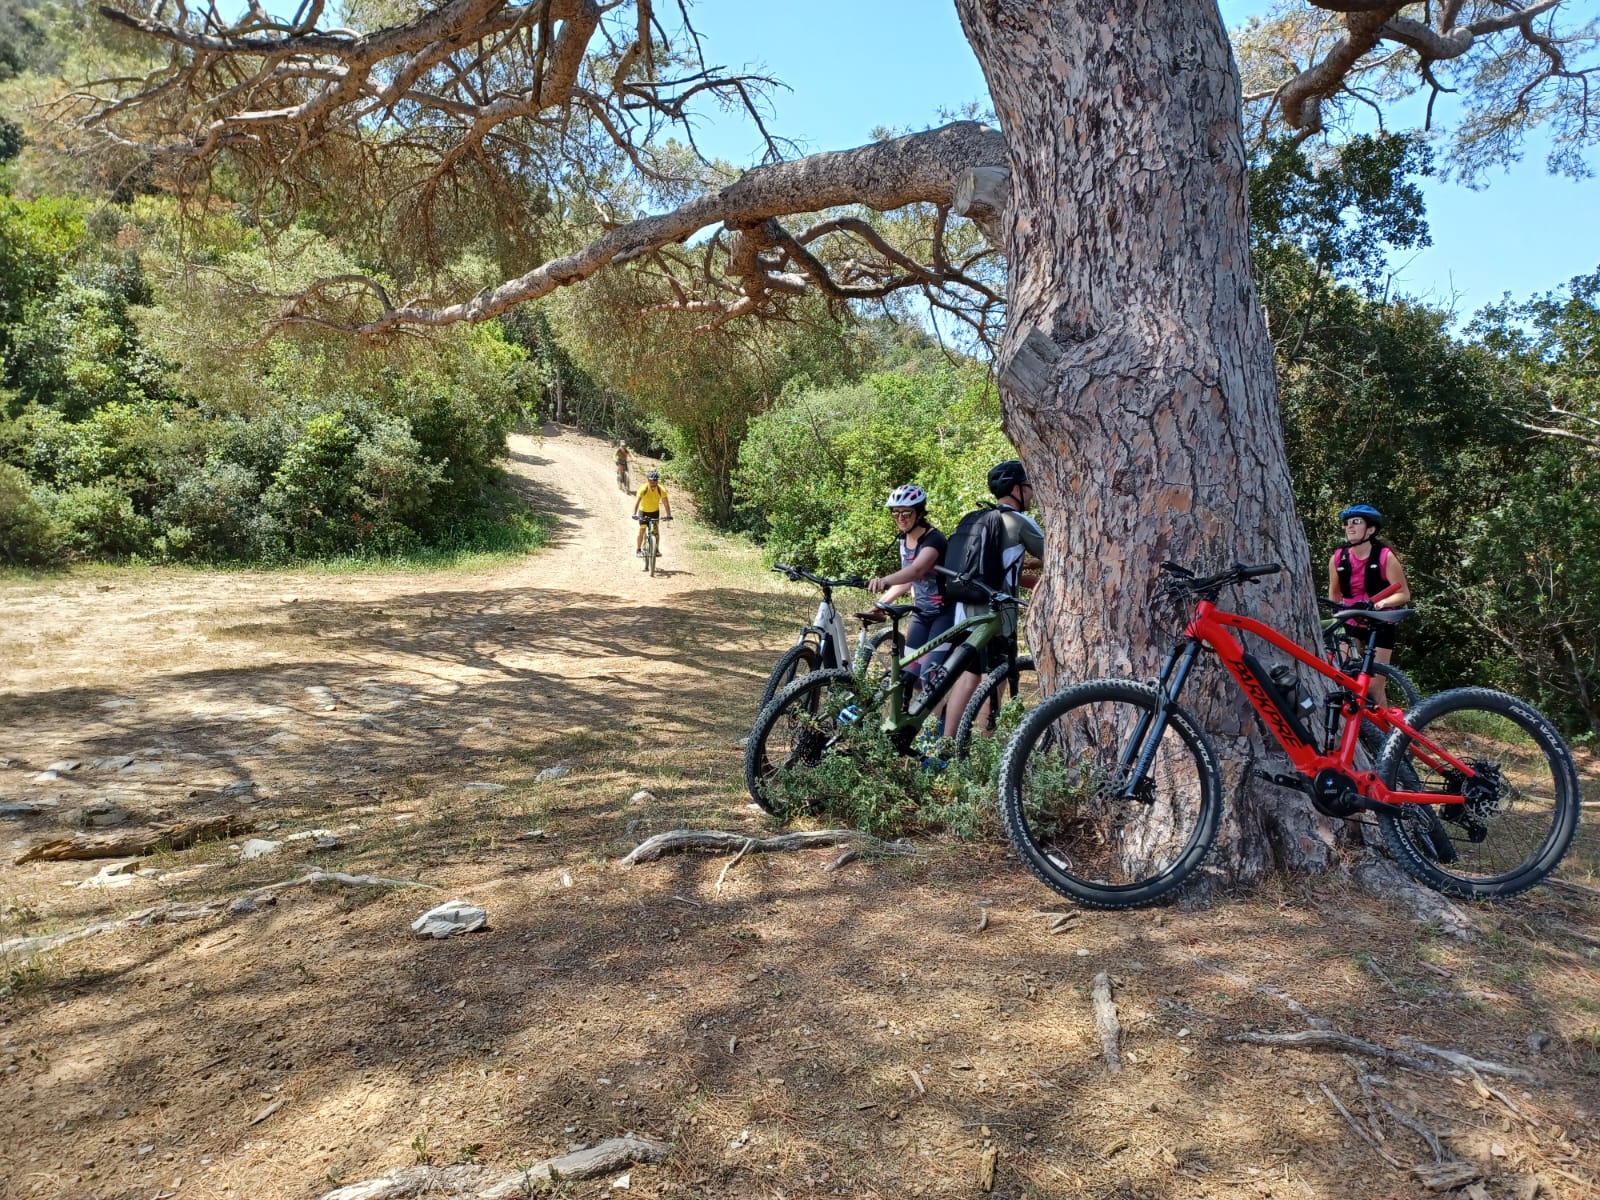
[1140,751]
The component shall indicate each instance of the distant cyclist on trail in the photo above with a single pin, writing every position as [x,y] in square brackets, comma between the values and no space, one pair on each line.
[651,502]
[922,549]
[1366,573]
[1021,537]
[622,463]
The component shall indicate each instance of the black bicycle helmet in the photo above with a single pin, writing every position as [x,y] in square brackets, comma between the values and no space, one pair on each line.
[1007,477]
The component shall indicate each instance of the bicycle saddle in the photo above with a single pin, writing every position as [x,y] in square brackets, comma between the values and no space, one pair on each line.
[883,611]
[1388,616]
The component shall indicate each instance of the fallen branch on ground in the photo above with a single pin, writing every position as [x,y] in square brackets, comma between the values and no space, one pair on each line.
[675,841]
[488,1183]
[177,835]
[732,862]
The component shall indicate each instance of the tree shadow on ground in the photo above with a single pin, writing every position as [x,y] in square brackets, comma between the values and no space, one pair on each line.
[791,1030]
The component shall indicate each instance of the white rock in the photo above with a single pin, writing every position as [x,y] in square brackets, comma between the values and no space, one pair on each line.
[243,787]
[257,848]
[642,797]
[306,835]
[485,787]
[324,697]
[453,916]
[623,1182]
[554,772]
[243,905]
[65,765]
[114,763]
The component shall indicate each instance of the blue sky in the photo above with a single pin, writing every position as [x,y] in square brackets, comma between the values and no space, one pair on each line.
[851,67]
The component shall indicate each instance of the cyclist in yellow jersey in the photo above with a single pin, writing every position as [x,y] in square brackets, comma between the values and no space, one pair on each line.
[651,502]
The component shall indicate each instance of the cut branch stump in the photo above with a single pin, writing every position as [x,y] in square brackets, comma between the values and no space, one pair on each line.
[1105,1022]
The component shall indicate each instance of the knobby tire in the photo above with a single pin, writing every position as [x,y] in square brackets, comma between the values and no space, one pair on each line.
[1059,805]
[805,713]
[1005,682]
[799,659]
[1514,833]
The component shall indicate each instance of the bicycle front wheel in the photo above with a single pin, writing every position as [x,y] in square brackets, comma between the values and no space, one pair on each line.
[798,729]
[799,659]
[1007,682]
[1062,801]
[650,552]
[1509,825]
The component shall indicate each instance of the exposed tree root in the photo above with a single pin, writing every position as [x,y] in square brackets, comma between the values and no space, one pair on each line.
[676,841]
[488,1183]
[24,949]
[1333,1039]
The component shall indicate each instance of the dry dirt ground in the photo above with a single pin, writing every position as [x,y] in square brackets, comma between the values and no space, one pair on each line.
[790,1031]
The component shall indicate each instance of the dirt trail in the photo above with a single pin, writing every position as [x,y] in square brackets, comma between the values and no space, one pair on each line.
[208,679]
[790,1030]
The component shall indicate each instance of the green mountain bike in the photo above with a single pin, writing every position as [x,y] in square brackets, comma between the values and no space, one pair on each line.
[812,717]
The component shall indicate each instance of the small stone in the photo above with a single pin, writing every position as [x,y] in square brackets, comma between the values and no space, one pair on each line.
[642,797]
[243,905]
[555,772]
[97,814]
[324,844]
[64,766]
[1537,1042]
[484,787]
[243,787]
[531,835]
[15,810]
[257,848]
[324,697]
[114,763]
[623,1182]
[453,916]
[310,835]
[1082,952]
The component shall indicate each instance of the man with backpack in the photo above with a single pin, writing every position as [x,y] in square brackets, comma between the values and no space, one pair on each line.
[989,544]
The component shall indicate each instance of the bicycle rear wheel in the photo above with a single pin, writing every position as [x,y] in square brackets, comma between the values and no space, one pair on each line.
[1060,801]
[797,730]
[1007,682]
[1519,813]
[799,659]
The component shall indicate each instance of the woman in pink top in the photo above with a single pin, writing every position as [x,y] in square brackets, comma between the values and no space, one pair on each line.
[1364,571]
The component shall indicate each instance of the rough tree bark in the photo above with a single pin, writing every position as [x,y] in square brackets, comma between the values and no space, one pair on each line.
[1136,372]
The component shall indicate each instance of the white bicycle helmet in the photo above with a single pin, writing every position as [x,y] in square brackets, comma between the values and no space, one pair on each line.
[906,496]
[652,474]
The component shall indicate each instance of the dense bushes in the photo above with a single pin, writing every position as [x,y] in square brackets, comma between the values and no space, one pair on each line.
[140,423]
[814,470]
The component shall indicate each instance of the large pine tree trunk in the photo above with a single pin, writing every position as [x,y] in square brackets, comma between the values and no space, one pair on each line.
[1136,372]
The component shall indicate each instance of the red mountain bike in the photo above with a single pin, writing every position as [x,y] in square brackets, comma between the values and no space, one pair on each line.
[1112,794]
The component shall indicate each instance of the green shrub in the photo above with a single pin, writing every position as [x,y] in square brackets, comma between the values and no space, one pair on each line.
[29,536]
[215,515]
[98,521]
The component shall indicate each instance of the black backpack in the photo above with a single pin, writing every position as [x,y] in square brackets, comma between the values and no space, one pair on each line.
[975,550]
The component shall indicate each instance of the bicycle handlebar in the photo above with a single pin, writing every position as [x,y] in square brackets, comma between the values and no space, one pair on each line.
[796,575]
[1182,576]
[994,594]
